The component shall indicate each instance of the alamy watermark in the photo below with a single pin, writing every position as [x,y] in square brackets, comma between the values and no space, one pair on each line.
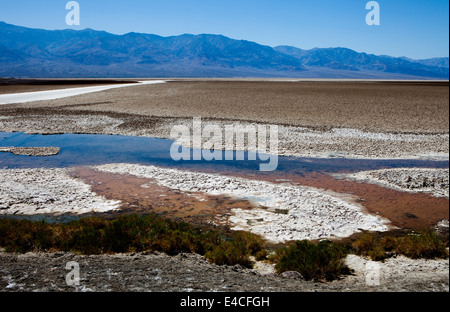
[73,277]
[373,17]
[73,17]
[213,142]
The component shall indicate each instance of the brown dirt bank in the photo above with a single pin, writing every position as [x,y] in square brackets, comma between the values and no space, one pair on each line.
[416,107]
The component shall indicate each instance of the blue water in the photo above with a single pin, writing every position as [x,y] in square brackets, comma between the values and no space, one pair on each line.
[85,149]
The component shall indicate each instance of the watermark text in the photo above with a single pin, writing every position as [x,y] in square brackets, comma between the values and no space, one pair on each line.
[232,142]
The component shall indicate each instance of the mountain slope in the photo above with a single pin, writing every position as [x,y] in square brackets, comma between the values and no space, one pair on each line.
[26,52]
[346,59]
[437,61]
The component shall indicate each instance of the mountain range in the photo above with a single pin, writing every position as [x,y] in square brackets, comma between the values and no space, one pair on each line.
[26,52]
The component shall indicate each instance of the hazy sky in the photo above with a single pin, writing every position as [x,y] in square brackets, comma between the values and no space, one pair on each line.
[412,28]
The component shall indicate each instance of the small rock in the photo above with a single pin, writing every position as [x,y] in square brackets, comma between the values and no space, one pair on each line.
[292,275]
[238,268]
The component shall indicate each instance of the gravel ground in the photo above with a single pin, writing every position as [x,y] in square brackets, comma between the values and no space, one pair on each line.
[192,273]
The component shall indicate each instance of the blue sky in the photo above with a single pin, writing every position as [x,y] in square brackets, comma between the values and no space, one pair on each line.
[415,29]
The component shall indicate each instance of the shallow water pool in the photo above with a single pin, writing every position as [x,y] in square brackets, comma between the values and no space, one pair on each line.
[87,150]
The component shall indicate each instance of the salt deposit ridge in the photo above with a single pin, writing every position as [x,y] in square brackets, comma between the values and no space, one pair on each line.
[434,181]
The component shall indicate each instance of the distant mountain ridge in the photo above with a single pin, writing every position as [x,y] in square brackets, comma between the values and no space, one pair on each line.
[346,59]
[26,52]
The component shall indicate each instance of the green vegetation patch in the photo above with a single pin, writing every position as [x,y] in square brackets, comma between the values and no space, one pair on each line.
[133,233]
[323,261]
[129,233]
[422,245]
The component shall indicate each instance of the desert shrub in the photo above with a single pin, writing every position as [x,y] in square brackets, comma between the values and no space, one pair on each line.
[366,243]
[209,240]
[261,255]
[179,242]
[25,236]
[378,253]
[85,236]
[96,235]
[230,253]
[86,240]
[252,243]
[313,261]
[389,243]
[426,244]
[134,233]
[276,256]
[129,233]
[238,250]
[374,248]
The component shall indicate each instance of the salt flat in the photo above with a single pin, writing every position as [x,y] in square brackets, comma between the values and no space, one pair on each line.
[48,191]
[352,119]
[26,97]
